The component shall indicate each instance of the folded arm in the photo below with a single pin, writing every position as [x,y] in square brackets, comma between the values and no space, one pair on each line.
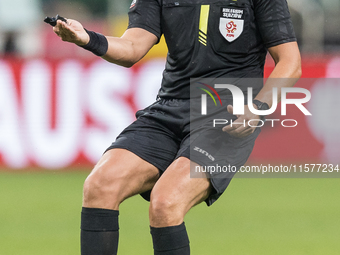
[286,73]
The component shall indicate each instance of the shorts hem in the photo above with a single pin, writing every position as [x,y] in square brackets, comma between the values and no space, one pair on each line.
[215,193]
[146,194]
[160,168]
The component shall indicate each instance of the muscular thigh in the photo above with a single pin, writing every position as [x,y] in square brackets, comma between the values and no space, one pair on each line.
[119,174]
[177,187]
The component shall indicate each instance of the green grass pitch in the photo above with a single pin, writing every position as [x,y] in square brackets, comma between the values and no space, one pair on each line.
[39,215]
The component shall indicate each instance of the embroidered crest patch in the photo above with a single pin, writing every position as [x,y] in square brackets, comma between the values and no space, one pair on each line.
[231,23]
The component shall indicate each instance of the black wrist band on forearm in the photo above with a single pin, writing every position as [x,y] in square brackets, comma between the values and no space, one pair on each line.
[98,43]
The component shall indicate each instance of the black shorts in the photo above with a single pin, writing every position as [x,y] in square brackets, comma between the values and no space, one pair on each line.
[162,133]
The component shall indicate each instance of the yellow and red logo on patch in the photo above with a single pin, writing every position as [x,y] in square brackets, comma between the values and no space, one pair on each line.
[231,27]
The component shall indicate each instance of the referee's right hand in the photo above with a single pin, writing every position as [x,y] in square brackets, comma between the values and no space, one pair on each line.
[72,31]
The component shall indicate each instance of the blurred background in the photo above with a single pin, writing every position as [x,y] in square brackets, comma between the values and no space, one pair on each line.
[24,35]
[61,107]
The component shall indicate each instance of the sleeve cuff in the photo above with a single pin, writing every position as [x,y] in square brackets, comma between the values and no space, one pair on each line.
[147,28]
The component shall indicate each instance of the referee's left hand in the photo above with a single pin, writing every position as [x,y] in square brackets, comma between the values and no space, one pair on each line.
[241,128]
[71,31]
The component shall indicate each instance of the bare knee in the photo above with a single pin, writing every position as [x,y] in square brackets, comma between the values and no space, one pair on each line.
[165,211]
[102,190]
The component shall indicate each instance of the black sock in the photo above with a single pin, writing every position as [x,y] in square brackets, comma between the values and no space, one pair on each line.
[99,231]
[170,240]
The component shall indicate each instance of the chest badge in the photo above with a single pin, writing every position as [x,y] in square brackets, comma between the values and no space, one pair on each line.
[231,23]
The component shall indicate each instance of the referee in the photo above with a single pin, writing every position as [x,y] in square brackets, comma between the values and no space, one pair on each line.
[152,156]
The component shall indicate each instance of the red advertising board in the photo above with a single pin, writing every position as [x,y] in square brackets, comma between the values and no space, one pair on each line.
[61,113]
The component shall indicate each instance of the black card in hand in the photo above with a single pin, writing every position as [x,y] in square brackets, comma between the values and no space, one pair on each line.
[53,21]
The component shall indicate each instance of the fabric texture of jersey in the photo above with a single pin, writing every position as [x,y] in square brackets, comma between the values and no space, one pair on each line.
[208,38]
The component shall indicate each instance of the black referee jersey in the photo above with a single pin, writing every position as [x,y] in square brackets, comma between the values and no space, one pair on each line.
[209,38]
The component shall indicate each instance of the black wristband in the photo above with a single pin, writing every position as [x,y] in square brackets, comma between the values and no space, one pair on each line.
[98,43]
[261,106]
